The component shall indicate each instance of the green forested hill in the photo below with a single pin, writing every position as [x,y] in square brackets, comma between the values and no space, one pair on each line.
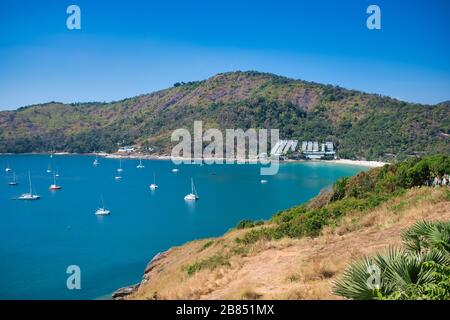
[360,124]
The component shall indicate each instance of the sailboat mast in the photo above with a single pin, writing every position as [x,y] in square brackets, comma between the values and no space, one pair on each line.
[29,179]
[193,187]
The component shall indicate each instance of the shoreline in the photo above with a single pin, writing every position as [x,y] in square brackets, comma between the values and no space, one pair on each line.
[362,163]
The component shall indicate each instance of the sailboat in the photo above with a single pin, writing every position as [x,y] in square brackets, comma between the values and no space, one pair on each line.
[153,186]
[14,181]
[95,163]
[30,195]
[49,168]
[175,170]
[102,211]
[193,195]
[57,173]
[120,166]
[54,186]
[8,168]
[140,165]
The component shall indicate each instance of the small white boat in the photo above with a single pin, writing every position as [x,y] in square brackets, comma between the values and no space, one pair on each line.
[193,195]
[102,211]
[153,186]
[57,173]
[175,170]
[120,166]
[30,195]
[140,165]
[14,181]
[118,177]
[54,186]
[264,181]
[95,163]
[8,168]
[49,168]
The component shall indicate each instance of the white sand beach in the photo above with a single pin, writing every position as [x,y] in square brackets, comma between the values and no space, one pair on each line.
[364,163]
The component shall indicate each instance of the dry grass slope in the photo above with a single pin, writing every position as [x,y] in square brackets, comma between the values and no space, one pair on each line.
[288,268]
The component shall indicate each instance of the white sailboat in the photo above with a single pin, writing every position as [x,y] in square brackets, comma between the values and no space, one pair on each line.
[14,181]
[57,173]
[49,168]
[95,163]
[54,186]
[30,195]
[193,195]
[8,168]
[153,186]
[140,165]
[175,170]
[120,166]
[102,211]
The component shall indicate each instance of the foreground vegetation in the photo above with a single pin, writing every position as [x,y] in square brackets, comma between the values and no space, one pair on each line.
[360,124]
[419,270]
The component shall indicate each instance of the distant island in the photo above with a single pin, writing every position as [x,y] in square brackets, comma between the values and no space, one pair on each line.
[361,126]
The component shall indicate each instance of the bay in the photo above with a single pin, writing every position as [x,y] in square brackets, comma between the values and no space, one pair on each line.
[40,239]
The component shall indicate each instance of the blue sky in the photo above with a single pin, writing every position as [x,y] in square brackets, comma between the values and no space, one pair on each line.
[126,48]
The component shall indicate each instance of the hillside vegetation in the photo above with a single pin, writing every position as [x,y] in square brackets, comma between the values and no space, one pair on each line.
[361,125]
[303,252]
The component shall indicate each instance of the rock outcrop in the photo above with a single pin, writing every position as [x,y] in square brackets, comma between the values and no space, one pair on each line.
[122,293]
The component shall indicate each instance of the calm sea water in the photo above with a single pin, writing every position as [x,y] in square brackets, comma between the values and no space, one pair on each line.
[40,239]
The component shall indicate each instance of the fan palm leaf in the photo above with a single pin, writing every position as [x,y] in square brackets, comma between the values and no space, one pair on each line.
[402,274]
[425,235]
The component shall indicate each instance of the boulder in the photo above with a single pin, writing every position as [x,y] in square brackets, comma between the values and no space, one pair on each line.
[121,293]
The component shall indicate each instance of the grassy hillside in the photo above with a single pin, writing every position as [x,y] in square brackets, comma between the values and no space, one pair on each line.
[360,124]
[303,252]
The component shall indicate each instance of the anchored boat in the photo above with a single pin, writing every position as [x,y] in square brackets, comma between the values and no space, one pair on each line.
[193,195]
[30,195]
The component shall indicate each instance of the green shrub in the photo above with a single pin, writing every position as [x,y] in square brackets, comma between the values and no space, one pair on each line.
[207,245]
[447,194]
[243,224]
[210,263]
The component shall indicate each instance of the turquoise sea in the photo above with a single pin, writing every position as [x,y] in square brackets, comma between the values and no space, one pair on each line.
[40,239]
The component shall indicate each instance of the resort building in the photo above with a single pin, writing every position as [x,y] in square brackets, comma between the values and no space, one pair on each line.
[310,150]
[283,147]
[126,149]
